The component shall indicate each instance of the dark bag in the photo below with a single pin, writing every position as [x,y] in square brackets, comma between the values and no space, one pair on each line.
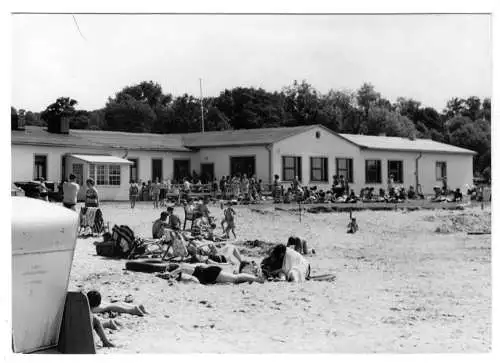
[108,249]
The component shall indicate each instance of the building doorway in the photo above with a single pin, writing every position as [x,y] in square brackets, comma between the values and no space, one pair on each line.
[157,169]
[40,167]
[207,172]
[134,170]
[181,169]
[242,165]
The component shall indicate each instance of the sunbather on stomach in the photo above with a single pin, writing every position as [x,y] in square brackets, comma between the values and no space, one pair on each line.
[211,274]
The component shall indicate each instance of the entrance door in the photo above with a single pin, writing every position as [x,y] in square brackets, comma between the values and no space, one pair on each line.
[207,172]
[242,165]
[157,170]
[40,167]
[134,170]
[181,169]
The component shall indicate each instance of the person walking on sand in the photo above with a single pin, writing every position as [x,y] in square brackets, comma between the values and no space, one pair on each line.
[70,193]
[229,214]
[133,192]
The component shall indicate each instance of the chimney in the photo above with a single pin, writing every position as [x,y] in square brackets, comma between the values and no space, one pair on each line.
[60,126]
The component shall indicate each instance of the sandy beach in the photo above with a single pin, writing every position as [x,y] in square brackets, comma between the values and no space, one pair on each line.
[407,282]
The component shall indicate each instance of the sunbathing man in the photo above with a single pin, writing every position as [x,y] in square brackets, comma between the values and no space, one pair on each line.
[159,225]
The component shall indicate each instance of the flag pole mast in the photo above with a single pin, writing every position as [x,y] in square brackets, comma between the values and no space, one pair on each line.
[202,117]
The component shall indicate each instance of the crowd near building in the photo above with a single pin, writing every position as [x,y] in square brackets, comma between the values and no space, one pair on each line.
[313,154]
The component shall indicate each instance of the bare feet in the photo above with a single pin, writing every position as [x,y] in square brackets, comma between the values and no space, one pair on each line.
[137,311]
[143,309]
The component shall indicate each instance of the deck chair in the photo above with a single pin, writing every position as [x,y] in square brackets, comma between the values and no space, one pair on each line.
[188,216]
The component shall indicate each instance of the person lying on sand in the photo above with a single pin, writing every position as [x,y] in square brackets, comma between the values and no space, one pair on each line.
[207,252]
[286,263]
[94,298]
[211,274]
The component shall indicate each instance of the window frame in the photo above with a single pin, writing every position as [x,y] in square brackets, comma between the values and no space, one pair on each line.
[445,170]
[396,180]
[379,179]
[297,167]
[350,168]
[323,169]
[117,177]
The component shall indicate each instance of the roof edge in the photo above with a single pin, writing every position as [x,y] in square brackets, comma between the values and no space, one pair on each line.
[464,152]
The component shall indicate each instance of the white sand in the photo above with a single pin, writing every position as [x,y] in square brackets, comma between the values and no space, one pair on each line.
[401,287]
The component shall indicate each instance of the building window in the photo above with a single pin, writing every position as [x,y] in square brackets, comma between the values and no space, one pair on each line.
[344,167]
[373,171]
[440,170]
[395,167]
[114,175]
[101,175]
[40,167]
[319,169]
[292,167]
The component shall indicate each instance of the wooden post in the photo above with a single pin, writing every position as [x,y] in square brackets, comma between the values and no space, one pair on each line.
[300,213]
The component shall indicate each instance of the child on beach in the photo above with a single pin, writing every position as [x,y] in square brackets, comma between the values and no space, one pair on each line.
[352,227]
[94,298]
[229,214]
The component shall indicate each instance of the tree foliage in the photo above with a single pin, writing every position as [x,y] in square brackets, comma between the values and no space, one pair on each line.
[144,107]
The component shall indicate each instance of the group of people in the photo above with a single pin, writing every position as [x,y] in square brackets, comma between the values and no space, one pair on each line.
[71,189]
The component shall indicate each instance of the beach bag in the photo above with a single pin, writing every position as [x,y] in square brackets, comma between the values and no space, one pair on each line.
[107,249]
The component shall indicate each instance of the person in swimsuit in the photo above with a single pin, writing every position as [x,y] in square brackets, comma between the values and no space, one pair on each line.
[212,274]
[91,195]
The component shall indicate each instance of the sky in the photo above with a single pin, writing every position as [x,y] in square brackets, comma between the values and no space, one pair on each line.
[430,58]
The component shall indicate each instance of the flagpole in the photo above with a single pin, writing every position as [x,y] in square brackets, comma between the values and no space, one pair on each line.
[201,102]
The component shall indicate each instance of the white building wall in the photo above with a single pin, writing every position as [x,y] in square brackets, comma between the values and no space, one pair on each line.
[145,158]
[459,169]
[23,165]
[307,145]
[221,159]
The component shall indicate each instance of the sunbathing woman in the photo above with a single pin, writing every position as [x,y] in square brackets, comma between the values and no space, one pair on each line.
[211,274]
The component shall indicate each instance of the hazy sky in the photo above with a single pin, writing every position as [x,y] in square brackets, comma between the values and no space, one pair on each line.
[427,57]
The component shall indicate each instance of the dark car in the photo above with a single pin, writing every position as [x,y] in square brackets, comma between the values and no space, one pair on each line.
[35,189]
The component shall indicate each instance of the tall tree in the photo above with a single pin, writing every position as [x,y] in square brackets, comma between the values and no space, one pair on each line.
[64,107]
[129,114]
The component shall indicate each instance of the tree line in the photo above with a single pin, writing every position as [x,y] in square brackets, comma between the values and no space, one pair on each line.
[144,107]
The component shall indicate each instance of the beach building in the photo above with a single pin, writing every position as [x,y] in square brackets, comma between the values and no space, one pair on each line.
[313,153]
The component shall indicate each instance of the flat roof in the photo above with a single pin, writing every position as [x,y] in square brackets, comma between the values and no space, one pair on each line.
[101,159]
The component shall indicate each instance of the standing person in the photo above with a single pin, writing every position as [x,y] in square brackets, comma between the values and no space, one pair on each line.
[163,192]
[390,185]
[245,186]
[276,189]
[445,186]
[155,193]
[91,195]
[186,188]
[222,185]
[133,192]
[229,214]
[70,193]
[259,189]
